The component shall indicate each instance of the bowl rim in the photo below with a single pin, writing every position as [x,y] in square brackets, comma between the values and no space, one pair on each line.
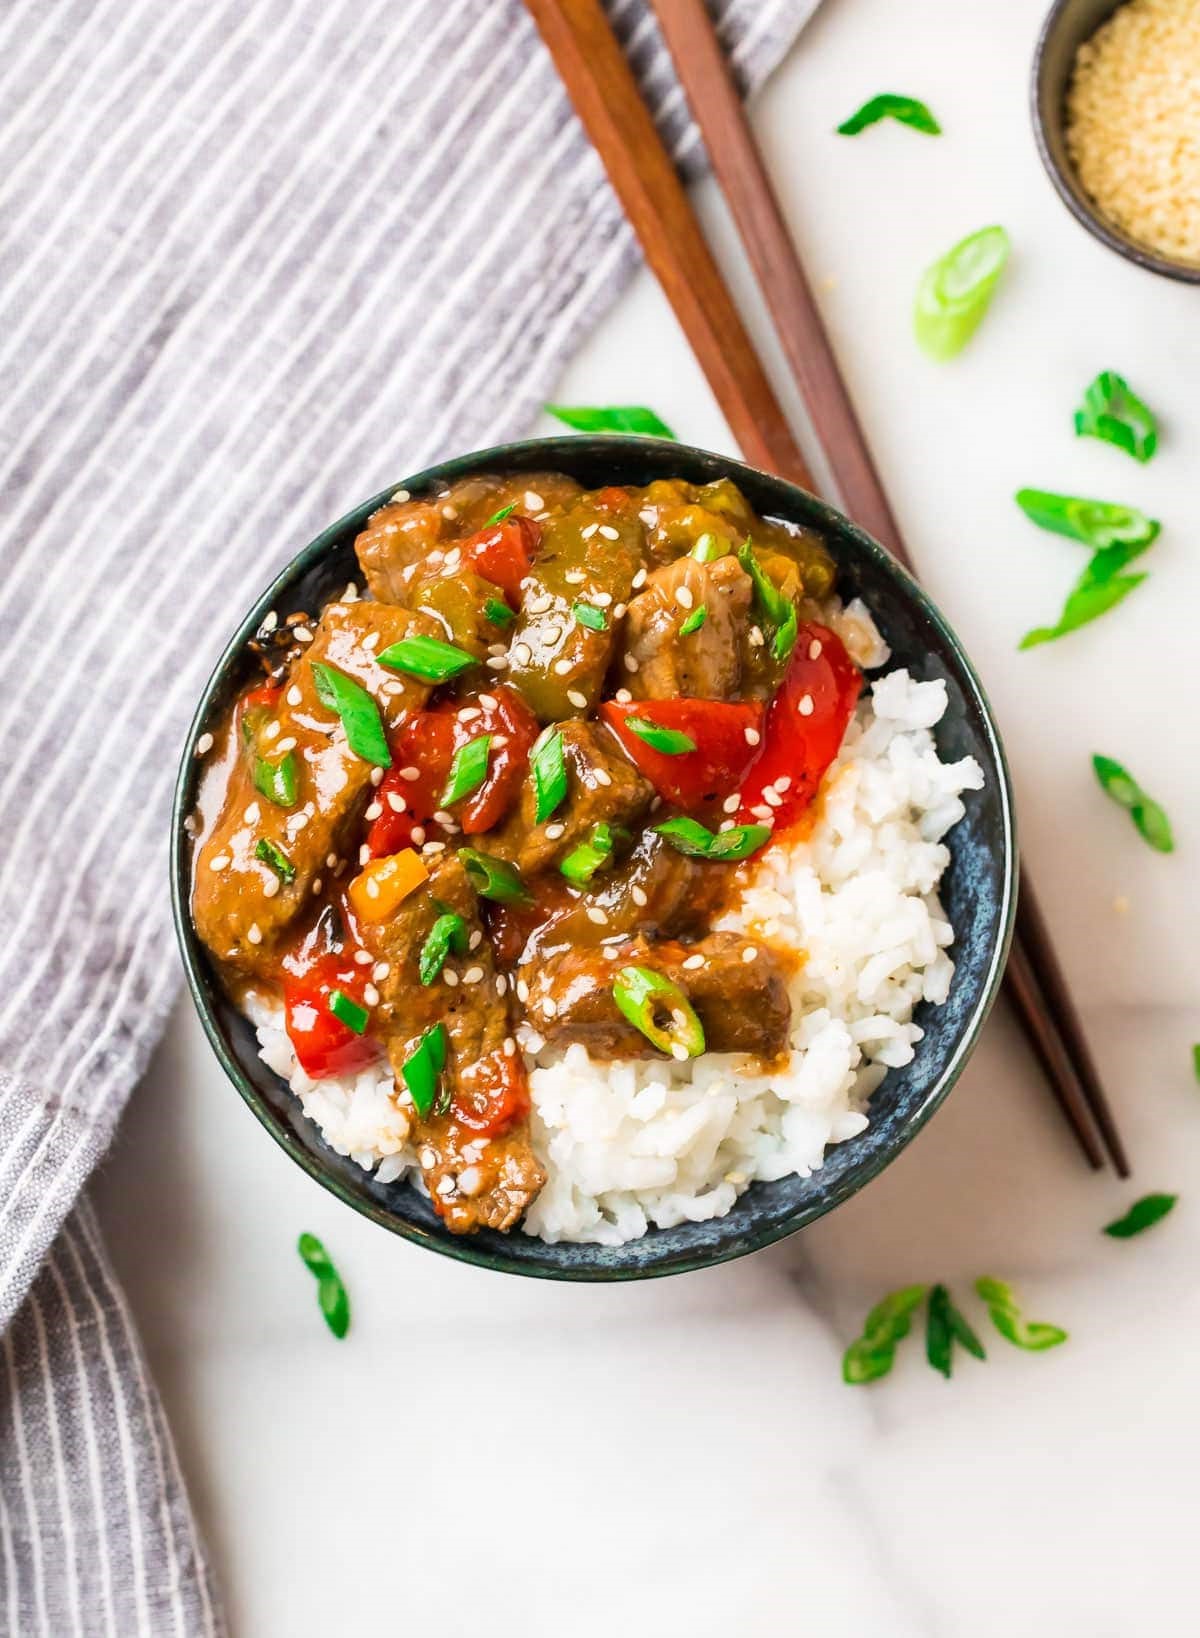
[1067,186]
[466,1248]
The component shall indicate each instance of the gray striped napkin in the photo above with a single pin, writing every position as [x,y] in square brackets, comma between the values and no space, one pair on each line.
[257,261]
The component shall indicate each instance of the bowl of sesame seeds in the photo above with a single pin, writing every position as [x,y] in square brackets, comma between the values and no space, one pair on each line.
[1117,122]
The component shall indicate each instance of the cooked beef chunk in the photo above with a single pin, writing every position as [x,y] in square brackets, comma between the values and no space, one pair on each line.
[472,1182]
[601,784]
[241,905]
[706,663]
[743,1004]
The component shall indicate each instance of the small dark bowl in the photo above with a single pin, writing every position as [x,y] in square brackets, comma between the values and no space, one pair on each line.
[1068,25]
[978,889]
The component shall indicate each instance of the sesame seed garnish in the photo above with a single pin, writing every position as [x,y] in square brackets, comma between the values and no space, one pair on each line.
[683,596]
[510,1046]
[377,776]
[750,953]
[609,533]
[726,824]
[418,834]
[533,501]
[554,831]
[270,621]
[600,917]
[428,1158]
[450,977]
[372,888]
[497,662]
[522,990]
[363,957]
[450,512]
[221,862]
[271,731]
[445,1184]
[293,695]
[522,653]
[631,664]
[469,713]
[602,599]
[374,811]
[380,971]
[316,886]
[540,605]
[410,774]
[752,736]
[443,818]
[619,611]
[549,1009]
[649,516]
[475,940]
[302,634]
[814,649]
[756,637]
[586,534]
[577,699]
[472,975]
[489,702]
[639,580]
[252,814]
[680,1052]
[639,896]
[694,961]
[562,667]
[762,811]
[623,696]
[784,782]
[270,887]
[434,847]
[288,744]
[396,802]
[400,496]
[371,642]
[254,933]
[497,648]
[501,984]
[204,744]
[350,595]
[364,854]
[731,803]
[771,796]
[574,577]
[806,705]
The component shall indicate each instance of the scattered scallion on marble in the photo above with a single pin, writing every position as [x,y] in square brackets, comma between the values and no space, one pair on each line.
[331,1293]
[887,105]
[1151,819]
[611,418]
[1143,1214]
[1112,411]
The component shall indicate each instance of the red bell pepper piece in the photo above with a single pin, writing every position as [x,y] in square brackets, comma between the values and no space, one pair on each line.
[492,1094]
[503,554]
[323,1044]
[726,735]
[806,723]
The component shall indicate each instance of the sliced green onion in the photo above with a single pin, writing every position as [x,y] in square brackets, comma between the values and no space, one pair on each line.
[549,770]
[1113,412]
[428,658]
[889,106]
[499,517]
[590,616]
[498,613]
[1196,1060]
[643,996]
[423,1066]
[449,932]
[1006,1316]
[944,1326]
[331,1293]
[696,840]
[1087,601]
[582,863]
[1143,1214]
[784,640]
[694,621]
[494,878]
[956,291]
[276,859]
[873,1354]
[347,1011]
[610,418]
[358,711]
[671,741]
[1150,819]
[708,548]
[468,769]
[278,781]
[1096,523]
[769,599]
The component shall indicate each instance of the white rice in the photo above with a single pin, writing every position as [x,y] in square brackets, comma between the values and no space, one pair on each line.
[635,1144]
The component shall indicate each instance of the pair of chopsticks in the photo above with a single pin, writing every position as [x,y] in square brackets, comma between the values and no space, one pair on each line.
[609,103]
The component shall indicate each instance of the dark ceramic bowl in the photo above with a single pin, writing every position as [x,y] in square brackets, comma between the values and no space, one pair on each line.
[978,889]
[1068,25]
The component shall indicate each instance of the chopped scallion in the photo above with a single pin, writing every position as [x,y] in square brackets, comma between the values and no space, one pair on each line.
[611,418]
[494,878]
[278,781]
[275,859]
[694,621]
[499,517]
[590,616]
[670,741]
[498,613]
[449,932]
[428,658]
[1113,412]
[468,769]
[549,770]
[645,998]
[347,1011]
[695,839]
[423,1066]
[582,863]
[1150,819]
[708,548]
[331,1293]
[1006,1316]
[907,110]
[358,712]
[1143,1214]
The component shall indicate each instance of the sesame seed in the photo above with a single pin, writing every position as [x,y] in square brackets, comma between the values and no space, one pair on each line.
[302,634]
[683,596]
[772,797]
[497,648]
[602,599]
[784,782]
[731,803]
[600,917]
[472,975]
[418,834]
[497,662]
[510,1046]
[586,534]
[252,814]
[221,862]
[443,818]
[631,664]
[574,577]
[372,888]
[470,1180]
[749,954]
[316,886]
[450,977]
[428,1158]
[522,990]
[377,776]
[254,933]
[434,847]
[270,621]
[293,695]
[539,605]
[806,705]
[577,699]
[288,744]
[814,649]
[469,713]
[450,512]
[475,940]
[623,696]
[533,501]
[694,961]
[270,887]
[445,1185]
[396,802]
[649,516]
[374,811]
[363,957]
[522,653]
[763,812]
[350,595]
[548,1008]
[371,642]
[400,496]
[680,1052]
[639,896]
[489,702]
[380,971]
[370,995]
[554,831]
[639,580]
[619,612]
[726,824]
[410,774]
[603,777]
[609,533]
[271,731]
[204,744]
[756,637]
[364,854]
[562,667]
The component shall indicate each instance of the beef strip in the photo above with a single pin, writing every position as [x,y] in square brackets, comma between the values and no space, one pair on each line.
[475,1182]
[742,1004]
[601,784]
[242,910]
[704,664]
[557,662]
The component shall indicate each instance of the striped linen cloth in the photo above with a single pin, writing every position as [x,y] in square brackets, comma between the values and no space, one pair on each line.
[257,261]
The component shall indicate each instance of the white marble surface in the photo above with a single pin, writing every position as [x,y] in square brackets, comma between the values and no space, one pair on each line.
[682,1456]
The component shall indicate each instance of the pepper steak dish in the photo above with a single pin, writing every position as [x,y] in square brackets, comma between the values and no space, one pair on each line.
[517,814]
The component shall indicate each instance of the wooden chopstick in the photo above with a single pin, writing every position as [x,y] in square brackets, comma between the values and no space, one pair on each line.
[738,164]
[609,103]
